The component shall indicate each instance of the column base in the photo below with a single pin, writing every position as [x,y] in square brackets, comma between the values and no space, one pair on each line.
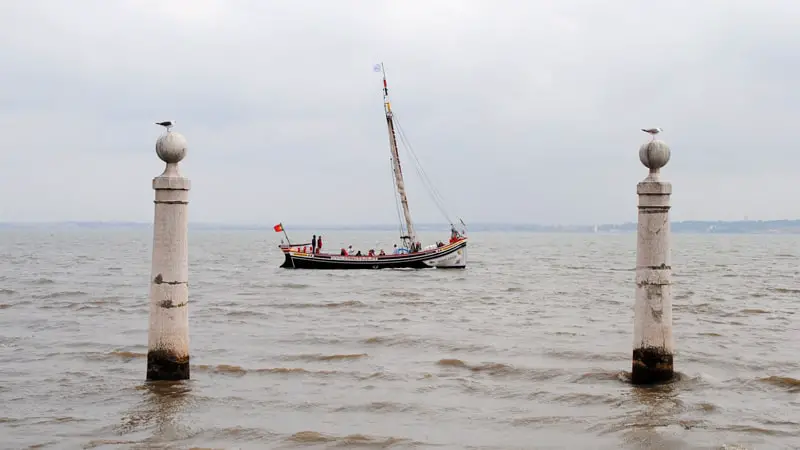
[163,365]
[651,365]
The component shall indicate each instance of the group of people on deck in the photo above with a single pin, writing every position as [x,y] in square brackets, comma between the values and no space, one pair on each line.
[316,246]
[349,252]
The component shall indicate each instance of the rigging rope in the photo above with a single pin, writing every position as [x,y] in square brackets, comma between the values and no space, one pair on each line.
[432,191]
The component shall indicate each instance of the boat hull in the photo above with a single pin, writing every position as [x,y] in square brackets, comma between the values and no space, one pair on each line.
[451,256]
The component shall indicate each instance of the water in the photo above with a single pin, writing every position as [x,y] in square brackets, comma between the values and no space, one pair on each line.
[527,348]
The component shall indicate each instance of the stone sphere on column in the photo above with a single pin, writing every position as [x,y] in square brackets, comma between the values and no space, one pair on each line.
[654,154]
[171,147]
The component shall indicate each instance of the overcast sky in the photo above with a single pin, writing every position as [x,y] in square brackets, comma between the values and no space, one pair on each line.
[520,111]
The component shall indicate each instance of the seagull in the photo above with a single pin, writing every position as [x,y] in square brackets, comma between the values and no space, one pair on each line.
[167,124]
[653,131]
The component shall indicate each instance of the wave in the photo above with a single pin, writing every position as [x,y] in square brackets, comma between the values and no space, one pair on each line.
[320,357]
[501,369]
[352,440]
[417,342]
[344,304]
[378,407]
[753,311]
[404,294]
[785,290]
[789,383]
[60,294]
[240,371]
[291,285]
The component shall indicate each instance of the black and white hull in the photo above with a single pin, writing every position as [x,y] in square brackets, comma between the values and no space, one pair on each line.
[451,256]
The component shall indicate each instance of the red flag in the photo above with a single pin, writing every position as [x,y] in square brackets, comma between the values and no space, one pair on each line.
[278,228]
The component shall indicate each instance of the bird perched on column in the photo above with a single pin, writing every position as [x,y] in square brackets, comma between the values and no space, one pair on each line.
[167,124]
[652,131]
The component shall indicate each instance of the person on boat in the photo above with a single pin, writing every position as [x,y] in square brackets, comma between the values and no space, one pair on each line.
[304,249]
[371,252]
[314,243]
[319,243]
[359,253]
[453,235]
[395,251]
[349,249]
[344,252]
[382,253]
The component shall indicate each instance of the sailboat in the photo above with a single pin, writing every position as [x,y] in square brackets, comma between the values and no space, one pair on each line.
[411,254]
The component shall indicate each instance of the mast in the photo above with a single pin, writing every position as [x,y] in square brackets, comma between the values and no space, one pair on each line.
[398,172]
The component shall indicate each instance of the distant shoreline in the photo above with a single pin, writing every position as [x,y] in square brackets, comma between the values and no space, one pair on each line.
[694,226]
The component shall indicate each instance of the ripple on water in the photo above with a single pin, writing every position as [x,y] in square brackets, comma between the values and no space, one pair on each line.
[343,304]
[234,434]
[792,385]
[379,407]
[400,340]
[401,294]
[60,294]
[229,369]
[349,441]
[753,311]
[785,290]
[495,369]
[320,357]
[116,354]
[291,285]
[250,314]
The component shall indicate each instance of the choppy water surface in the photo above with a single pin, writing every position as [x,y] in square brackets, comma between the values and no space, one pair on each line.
[527,348]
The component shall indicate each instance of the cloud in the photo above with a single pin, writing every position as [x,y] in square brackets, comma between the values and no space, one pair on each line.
[519,111]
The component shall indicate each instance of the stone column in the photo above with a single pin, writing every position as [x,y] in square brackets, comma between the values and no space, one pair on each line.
[168,338]
[652,329]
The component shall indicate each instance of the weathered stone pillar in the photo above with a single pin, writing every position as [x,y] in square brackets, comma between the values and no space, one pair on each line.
[168,338]
[652,329]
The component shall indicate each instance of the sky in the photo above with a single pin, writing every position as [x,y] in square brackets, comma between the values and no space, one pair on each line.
[519,111]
